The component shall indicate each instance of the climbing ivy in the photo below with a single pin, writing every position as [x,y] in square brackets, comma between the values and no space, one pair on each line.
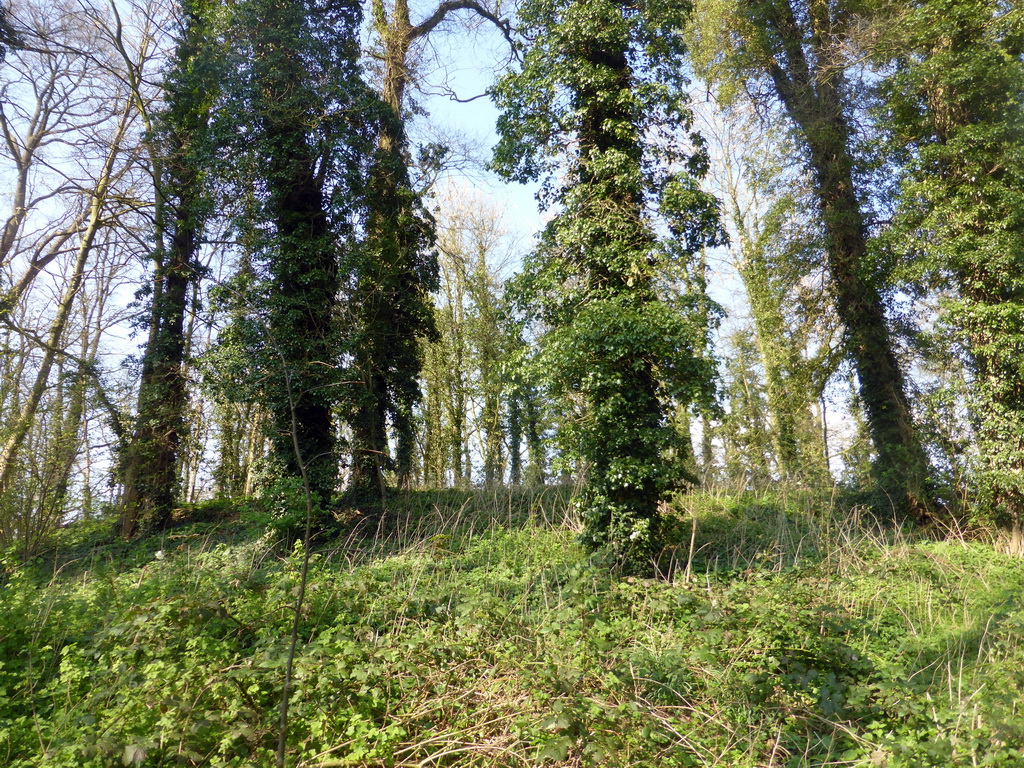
[598,112]
[298,127]
[954,118]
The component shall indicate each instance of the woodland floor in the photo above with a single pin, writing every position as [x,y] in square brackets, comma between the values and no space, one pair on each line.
[469,629]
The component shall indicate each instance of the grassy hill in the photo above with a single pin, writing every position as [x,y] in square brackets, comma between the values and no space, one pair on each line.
[468,629]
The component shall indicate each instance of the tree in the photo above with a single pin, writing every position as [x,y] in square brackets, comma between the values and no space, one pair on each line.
[448,366]
[296,125]
[58,102]
[797,49]
[776,246]
[55,97]
[97,202]
[598,80]
[525,427]
[399,268]
[743,429]
[179,148]
[469,393]
[953,115]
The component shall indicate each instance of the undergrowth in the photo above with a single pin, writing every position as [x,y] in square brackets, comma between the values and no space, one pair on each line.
[469,629]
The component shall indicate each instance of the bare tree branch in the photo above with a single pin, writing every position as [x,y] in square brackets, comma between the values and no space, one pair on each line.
[449,6]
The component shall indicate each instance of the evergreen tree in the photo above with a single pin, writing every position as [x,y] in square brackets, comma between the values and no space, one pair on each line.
[597,82]
[9,37]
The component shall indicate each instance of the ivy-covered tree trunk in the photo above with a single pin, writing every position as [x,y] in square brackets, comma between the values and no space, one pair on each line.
[624,400]
[400,269]
[792,383]
[433,456]
[489,341]
[777,356]
[515,439]
[802,60]
[177,148]
[392,296]
[151,462]
[954,99]
[901,466]
[743,430]
[66,444]
[394,308]
[614,345]
[302,320]
[302,106]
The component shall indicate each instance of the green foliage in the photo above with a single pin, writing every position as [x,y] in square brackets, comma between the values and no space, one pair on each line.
[796,56]
[952,111]
[181,155]
[297,121]
[396,271]
[801,636]
[743,429]
[598,86]
[779,252]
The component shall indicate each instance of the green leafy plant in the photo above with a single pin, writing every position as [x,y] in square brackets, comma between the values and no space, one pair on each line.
[599,81]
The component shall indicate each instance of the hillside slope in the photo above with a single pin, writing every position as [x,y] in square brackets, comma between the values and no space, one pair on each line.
[472,631]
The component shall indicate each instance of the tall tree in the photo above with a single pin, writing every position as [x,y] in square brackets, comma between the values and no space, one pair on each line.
[743,429]
[57,100]
[597,82]
[399,268]
[179,147]
[98,200]
[797,48]
[776,244]
[468,389]
[954,115]
[448,370]
[299,132]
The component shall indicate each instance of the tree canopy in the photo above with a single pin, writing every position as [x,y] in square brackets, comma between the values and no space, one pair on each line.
[781,245]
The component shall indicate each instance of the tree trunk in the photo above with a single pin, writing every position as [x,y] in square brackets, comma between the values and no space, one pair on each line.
[789,394]
[538,465]
[812,96]
[151,469]
[395,308]
[151,476]
[302,325]
[393,301]
[23,423]
[515,438]
[299,145]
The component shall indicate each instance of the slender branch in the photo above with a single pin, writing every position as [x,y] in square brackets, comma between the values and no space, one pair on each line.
[452,96]
[88,366]
[282,736]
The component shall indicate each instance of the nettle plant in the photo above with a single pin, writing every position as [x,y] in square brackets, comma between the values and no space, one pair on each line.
[598,110]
